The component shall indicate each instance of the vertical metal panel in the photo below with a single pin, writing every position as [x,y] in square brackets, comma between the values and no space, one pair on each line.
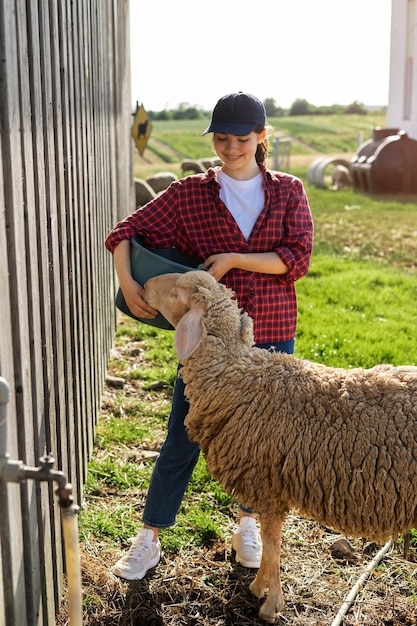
[70,97]
[37,499]
[12,585]
[18,298]
[63,72]
[65,167]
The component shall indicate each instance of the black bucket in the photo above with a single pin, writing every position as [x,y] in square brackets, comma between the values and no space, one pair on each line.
[148,262]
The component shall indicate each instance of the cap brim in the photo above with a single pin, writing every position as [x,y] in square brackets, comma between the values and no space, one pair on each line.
[230,128]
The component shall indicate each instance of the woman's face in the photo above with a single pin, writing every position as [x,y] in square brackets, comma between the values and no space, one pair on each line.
[238,153]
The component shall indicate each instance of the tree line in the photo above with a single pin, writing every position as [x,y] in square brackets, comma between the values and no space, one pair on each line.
[300,106]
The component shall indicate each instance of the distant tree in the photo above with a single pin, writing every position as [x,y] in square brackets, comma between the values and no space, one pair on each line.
[186,112]
[193,113]
[179,114]
[300,107]
[356,108]
[163,115]
[333,109]
[271,108]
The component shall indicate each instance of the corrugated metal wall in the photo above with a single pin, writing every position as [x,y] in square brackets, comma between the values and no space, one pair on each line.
[65,168]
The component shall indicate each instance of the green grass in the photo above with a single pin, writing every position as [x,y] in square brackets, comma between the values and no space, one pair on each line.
[113,472]
[138,421]
[327,134]
[356,314]
[108,520]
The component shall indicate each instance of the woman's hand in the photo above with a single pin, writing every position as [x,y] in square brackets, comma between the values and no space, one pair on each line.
[219,264]
[133,293]
[264,262]
[131,290]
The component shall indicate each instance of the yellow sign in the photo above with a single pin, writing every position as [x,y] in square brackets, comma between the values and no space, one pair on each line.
[141,129]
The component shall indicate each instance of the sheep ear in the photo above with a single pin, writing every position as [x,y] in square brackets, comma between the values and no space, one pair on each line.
[189,332]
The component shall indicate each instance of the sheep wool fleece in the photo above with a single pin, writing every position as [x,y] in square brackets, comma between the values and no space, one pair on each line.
[281,433]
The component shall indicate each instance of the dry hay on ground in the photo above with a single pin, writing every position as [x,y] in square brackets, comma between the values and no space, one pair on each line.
[206,587]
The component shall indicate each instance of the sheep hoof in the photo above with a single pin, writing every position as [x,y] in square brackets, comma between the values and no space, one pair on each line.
[257,589]
[270,620]
[271,610]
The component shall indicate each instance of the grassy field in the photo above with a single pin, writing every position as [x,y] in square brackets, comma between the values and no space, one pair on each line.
[171,141]
[357,307]
[309,133]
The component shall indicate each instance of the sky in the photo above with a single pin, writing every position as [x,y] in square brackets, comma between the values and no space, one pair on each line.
[325,51]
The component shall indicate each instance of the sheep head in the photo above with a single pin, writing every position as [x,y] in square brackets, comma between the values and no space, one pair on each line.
[197,306]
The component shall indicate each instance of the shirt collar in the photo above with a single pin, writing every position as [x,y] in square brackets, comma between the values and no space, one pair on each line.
[211,174]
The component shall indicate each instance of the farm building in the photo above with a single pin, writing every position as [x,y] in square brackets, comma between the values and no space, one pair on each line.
[402,101]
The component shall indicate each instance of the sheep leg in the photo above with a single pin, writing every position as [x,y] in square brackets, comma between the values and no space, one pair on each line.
[269,571]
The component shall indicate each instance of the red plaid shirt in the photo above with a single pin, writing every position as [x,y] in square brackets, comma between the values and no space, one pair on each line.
[190,216]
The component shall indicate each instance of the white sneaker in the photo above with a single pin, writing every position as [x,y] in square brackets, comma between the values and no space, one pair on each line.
[246,542]
[143,554]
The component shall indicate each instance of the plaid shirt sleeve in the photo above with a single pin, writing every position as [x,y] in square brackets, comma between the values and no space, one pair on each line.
[296,245]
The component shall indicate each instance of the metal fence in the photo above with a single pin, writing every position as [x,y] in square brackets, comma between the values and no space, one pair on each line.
[65,168]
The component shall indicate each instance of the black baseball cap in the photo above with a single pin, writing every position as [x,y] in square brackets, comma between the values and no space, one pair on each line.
[237,114]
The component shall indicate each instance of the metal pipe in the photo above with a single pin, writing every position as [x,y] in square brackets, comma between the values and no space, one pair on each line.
[17,471]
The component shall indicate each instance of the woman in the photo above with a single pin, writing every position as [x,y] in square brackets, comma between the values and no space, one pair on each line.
[252,229]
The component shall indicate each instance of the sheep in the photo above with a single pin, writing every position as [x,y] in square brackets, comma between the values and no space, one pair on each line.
[194,166]
[200,166]
[341,177]
[206,163]
[211,162]
[279,433]
[143,192]
[161,180]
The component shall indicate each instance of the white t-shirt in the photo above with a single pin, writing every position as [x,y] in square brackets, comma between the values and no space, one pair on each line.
[243,198]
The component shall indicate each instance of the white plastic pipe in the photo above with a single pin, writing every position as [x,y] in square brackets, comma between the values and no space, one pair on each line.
[72,556]
[355,589]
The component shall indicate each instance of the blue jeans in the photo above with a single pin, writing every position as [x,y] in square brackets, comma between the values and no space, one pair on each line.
[177,459]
